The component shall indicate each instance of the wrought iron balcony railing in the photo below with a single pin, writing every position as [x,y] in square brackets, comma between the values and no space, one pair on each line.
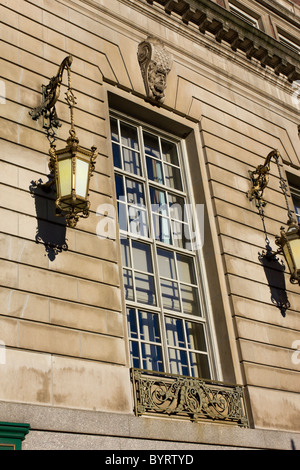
[188,397]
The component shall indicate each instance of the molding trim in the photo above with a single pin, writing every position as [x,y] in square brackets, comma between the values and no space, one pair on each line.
[211,18]
[142,430]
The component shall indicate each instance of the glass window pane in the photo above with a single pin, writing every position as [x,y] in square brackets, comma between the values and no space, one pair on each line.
[129,136]
[131,161]
[158,201]
[190,300]
[114,130]
[144,286]
[131,323]
[151,144]
[178,234]
[175,333]
[152,357]
[186,269]
[181,235]
[166,264]
[122,216]
[169,151]
[134,354]
[162,229]
[141,254]
[125,252]
[199,365]
[195,336]
[135,192]
[173,178]
[128,284]
[154,170]
[116,155]
[82,172]
[65,176]
[170,295]
[138,222]
[120,187]
[149,327]
[296,201]
[178,362]
[176,207]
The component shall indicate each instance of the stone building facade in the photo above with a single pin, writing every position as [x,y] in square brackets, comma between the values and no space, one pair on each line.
[182,98]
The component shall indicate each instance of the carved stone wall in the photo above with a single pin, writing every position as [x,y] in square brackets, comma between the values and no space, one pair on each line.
[230,95]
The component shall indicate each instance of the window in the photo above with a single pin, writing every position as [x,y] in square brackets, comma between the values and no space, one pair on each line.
[289,43]
[243,15]
[295,193]
[165,314]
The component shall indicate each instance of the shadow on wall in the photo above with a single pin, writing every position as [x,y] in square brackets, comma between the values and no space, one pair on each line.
[51,230]
[274,271]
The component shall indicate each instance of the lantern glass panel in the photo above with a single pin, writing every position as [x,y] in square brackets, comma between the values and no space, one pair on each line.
[65,176]
[288,257]
[295,248]
[82,172]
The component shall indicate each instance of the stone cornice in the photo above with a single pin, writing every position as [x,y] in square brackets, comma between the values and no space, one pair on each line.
[211,18]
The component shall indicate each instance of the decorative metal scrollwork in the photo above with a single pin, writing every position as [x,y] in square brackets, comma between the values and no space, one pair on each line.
[188,397]
[50,95]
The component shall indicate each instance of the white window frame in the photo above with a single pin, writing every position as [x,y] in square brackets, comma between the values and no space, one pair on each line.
[156,244]
[243,15]
[289,43]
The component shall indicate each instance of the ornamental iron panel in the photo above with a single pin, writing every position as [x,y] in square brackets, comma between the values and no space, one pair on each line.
[188,397]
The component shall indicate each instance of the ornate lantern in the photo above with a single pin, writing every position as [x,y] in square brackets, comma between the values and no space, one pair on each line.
[288,241]
[72,166]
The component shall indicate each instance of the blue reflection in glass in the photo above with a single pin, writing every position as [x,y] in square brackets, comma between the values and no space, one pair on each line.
[175,333]
[116,155]
[134,354]
[128,284]
[129,136]
[125,252]
[158,201]
[131,323]
[120,187]
[114,130]
[135,192]
[154,170]
[151,144]
[178,362]
[131,161]
[152,357]
[149,326]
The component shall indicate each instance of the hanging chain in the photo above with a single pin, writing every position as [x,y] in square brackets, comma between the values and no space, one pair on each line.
[284,188]
[50,132]
[260,178]
[71,100]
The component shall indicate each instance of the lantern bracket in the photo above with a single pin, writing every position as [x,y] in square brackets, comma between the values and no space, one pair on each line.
[50,95]
[260,179]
